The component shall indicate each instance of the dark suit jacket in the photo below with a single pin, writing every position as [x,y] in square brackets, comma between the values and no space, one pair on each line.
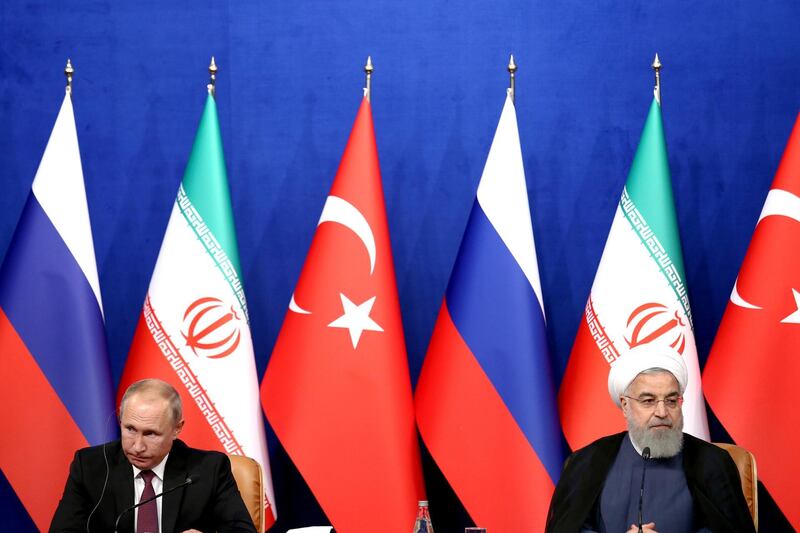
[212,503]
[710,473]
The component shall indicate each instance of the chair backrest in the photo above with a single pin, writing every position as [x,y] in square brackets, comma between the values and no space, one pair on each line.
[748,474]
[250,481]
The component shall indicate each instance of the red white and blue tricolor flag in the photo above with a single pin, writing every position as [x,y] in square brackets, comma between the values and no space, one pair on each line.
[485,399]
[55,382]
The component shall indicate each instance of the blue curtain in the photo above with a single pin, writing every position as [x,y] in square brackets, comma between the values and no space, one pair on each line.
[289,84]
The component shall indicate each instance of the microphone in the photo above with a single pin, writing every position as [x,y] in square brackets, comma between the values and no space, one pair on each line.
[189,480]
[645,457]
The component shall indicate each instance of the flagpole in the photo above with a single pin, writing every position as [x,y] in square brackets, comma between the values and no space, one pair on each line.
[368,68]
[512,69]
[657,89]
[212,72]
[68,72]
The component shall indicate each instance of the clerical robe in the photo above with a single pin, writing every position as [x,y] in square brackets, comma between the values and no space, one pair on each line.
[712,479]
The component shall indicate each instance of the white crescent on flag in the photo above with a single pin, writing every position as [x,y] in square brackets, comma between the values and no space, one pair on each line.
[778,203]
[343,212]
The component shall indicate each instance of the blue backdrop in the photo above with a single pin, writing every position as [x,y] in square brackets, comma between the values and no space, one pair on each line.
[288,89]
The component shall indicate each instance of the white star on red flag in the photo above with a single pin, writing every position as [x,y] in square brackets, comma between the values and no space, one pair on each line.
[356,318]
[794,318]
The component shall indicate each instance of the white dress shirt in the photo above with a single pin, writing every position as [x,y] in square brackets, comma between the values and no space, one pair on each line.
[158,486]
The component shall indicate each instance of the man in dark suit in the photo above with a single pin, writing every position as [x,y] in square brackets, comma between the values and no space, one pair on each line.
[106,480]
[691,485]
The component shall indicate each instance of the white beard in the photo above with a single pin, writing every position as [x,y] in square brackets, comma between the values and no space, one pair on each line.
[663,443]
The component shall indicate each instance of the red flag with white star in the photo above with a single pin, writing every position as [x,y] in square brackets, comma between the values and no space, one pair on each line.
[751,376]
[337,389]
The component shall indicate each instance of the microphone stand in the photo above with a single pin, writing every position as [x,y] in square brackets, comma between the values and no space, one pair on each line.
[189,481]
[645,458]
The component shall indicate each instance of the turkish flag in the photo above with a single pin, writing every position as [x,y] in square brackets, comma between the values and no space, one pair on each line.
[337,389]
[751,377]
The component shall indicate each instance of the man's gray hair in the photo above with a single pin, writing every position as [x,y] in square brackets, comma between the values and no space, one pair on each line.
[162,389]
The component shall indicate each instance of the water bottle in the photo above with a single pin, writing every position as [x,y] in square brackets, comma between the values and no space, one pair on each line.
[423,522]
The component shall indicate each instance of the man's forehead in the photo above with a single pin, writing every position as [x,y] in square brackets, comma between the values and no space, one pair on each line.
[151,404]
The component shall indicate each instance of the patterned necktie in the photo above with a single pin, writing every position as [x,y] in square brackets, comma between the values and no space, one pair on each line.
[148,513]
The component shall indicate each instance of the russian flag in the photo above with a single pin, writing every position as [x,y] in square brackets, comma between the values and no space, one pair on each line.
[55,381]
[485,399]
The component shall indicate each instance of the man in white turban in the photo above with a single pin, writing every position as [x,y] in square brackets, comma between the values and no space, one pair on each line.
[681,483]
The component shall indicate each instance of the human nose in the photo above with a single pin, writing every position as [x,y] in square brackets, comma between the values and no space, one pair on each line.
[661,409]
[138,444]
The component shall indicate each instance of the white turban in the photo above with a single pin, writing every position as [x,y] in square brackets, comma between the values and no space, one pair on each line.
[644,357]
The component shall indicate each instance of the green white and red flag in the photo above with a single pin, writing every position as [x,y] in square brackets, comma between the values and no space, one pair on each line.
[194,329]
[639,296]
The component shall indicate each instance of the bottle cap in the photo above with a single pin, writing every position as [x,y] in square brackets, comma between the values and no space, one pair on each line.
[423,503]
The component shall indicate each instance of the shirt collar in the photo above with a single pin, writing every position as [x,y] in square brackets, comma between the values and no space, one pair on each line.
[158,470]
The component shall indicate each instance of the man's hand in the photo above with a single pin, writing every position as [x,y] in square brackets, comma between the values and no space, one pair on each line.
[191,531]
[646,528]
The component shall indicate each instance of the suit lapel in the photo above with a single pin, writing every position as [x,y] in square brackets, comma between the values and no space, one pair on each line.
[174,474]
[121,485]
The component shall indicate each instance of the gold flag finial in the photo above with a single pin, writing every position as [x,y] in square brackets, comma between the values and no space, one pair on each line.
[68,72]
[212,72]
[368,68]
[512,69]
[657,89]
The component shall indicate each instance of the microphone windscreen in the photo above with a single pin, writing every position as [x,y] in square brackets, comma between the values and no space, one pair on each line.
[646,452]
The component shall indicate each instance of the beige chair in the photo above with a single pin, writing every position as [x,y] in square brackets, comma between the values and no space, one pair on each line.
[748,473]
[250,480]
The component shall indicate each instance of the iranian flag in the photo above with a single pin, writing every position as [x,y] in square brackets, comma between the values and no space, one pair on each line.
[194,329]
[639,296]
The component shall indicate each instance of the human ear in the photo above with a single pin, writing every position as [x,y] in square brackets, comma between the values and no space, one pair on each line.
[178,428]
